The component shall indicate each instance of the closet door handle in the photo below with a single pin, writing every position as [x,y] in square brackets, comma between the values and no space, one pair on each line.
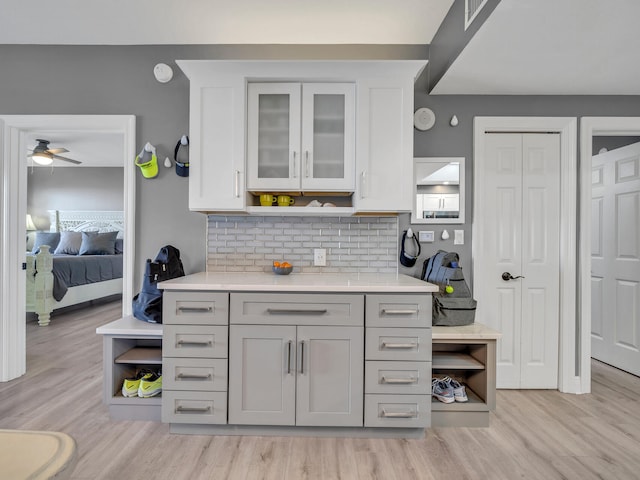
[506,276]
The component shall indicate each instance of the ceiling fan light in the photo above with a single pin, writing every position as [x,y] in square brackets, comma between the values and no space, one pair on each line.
[42,158]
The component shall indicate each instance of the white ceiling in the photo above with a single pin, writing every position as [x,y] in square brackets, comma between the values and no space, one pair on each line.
[93,149]
[140,22]
[551,47]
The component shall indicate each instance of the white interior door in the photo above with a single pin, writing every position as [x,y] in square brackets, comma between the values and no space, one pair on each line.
[615,258]
[520,198]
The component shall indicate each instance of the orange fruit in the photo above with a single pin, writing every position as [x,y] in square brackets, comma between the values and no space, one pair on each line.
[276,264]
[285,264]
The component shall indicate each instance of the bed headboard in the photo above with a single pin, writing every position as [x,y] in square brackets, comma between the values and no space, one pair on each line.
[87,220]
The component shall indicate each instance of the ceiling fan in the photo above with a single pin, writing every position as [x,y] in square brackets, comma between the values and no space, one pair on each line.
[44,155]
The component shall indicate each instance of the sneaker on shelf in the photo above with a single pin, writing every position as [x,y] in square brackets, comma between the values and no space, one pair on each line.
[130,386]
[442,391]
[459,390]
[150,386]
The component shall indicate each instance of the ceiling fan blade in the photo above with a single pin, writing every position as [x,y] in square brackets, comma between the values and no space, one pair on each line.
[57,150]
[67,159]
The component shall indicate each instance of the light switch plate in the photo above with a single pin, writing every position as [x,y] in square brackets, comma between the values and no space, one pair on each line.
[458,238]
[426,236]
[320,257]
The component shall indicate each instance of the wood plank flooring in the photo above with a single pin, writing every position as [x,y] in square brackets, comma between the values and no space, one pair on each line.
[534,434]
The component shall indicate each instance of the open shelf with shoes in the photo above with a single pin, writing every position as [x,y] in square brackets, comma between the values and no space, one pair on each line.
[129,346]
[466,354]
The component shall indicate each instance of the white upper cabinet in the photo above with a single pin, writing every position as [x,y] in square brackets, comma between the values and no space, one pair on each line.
[300,137]
[217,144]
[301,126]
[384,158]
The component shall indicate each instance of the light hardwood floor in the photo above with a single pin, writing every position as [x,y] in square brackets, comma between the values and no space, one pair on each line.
[533,434]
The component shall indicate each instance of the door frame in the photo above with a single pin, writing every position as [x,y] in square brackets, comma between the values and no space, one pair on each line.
[590,127]
[573,377]
[14,130]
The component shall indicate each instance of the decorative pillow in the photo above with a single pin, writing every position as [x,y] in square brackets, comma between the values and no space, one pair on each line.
[46,238]
[119,246]
[69,243]
[98,243]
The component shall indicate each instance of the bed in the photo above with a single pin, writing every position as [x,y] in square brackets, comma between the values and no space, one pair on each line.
[70,277]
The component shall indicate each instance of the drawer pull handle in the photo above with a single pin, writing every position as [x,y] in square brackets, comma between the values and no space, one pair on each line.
[401,381]
[399,312]
[195,309]
[302,357]
[285,311]
[195,376]
[399,346]
[195,342]
[386,414]
[192,409]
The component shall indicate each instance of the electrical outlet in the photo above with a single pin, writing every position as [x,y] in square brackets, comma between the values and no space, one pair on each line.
[320,257]
[458,238]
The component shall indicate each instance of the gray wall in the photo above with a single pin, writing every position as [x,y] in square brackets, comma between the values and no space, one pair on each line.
[119,80]
[611,143]
[72,188]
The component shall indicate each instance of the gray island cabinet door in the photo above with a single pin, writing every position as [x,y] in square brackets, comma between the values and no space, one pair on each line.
[330,376]
[262,375]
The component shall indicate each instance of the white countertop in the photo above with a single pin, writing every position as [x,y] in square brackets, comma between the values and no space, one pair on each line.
[475,331]
[301,282]
[131,326]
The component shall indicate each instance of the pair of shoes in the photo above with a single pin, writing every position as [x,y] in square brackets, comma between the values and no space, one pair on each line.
[442,391]
[145,384]
[150,386]
[459,390]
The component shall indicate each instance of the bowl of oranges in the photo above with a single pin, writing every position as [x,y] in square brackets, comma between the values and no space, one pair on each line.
[282,268]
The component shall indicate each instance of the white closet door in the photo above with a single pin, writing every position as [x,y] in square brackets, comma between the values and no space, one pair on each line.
[520,215]
[615,258]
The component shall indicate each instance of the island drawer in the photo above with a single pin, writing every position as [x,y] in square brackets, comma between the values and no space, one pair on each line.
[195,308]
[410,344]
[200,374]
[194,407]
[409,310]
[195,341]
[297,309]
[400,411]
[412,378]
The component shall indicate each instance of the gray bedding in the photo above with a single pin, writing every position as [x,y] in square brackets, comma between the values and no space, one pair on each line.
[73,270]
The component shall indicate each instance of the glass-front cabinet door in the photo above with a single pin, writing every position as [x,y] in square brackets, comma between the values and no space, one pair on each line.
[328,136]
[273,140]
[300,137]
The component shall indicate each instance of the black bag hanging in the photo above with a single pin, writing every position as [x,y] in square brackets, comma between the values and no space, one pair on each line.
[407,259]
[147,305]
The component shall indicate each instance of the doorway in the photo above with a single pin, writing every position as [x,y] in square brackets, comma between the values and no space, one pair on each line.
[610,244]
[569,374]
[14,135]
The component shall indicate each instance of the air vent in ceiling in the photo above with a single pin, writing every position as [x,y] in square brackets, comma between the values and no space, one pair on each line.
[471,10]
